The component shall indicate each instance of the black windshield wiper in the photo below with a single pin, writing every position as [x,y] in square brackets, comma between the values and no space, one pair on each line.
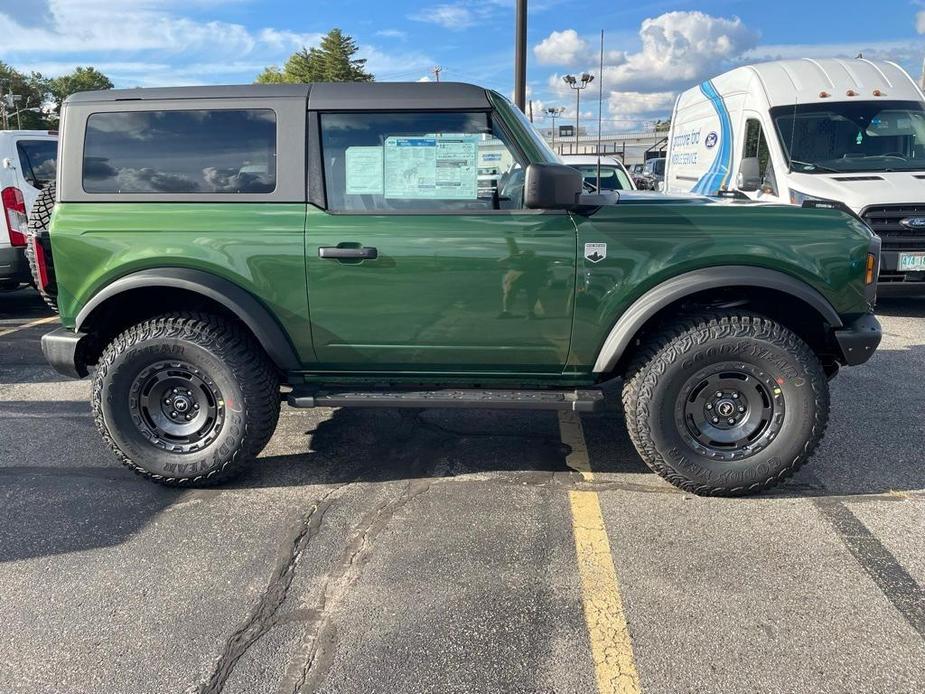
[814,166]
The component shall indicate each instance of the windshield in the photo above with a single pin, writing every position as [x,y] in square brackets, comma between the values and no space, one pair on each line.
[655,166]
[853,136]
[38,159]
[542,148]
[612,177]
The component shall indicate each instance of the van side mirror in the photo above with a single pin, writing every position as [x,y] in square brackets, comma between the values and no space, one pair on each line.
[749,179]
[552,187]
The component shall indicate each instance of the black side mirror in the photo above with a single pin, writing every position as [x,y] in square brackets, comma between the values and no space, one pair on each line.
[552,187]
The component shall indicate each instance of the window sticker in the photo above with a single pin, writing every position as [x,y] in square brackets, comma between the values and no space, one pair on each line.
[435,167]
[364,171]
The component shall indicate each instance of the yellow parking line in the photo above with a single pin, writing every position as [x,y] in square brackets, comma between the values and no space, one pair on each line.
[611,644]
[40,321]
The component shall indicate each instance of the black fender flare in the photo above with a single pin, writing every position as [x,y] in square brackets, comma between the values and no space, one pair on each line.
[669,291]
[239,301]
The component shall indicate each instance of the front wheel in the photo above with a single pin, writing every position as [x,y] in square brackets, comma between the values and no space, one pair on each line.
[185,398]
[726,405]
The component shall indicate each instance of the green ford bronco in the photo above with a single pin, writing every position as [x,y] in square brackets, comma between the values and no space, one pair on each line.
[213,251]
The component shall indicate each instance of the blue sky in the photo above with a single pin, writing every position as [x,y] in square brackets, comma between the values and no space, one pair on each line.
[653,49]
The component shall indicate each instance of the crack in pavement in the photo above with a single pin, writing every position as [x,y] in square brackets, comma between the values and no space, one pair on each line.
[264,616]
[319,648]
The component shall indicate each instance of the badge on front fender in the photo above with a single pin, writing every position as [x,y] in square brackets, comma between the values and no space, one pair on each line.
[595,252]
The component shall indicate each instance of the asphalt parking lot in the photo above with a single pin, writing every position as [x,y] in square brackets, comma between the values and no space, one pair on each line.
[370,552]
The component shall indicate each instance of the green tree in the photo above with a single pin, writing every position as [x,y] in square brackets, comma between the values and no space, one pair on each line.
[31,89]
[82,79]
[332,61]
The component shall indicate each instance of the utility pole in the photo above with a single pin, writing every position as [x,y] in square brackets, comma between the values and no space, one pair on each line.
[520,55]
[437,70]
[578,83]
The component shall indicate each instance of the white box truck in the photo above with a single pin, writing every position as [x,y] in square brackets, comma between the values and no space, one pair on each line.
[851,131]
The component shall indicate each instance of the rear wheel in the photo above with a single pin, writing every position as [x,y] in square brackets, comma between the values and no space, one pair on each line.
[726,404]
[185,398]
[38,227]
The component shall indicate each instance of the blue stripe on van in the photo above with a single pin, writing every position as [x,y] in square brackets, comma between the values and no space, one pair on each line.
[718,173]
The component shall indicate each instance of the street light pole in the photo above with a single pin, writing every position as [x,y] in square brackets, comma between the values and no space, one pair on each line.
[554,112]
[520,55]
[578,83]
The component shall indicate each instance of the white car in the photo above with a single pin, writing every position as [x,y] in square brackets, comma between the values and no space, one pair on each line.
[28,160]
[614,175]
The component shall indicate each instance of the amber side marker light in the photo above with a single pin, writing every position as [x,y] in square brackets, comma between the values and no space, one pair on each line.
[871,269]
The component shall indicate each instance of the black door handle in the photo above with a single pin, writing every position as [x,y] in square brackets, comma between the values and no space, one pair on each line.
[338,252]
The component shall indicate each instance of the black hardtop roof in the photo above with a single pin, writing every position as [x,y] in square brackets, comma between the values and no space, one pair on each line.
[319,96]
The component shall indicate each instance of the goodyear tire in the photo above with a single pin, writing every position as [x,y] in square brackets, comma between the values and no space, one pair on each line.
[186,398]
[39,218]
[726,404]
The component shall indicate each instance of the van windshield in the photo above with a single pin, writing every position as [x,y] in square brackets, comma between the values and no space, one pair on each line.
[853,136]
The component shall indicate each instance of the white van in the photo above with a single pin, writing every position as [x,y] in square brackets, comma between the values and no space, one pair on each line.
[851,131]
[28,160]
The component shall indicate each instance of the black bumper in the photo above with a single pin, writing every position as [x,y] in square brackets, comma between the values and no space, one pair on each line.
[859,340]
[13,264]
[62,349]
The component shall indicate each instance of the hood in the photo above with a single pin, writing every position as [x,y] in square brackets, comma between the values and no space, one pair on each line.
[860,190]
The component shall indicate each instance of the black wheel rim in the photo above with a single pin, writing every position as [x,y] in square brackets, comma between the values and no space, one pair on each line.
[176,406]
[730,411]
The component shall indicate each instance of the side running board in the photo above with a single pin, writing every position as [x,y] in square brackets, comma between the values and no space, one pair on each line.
[574,400]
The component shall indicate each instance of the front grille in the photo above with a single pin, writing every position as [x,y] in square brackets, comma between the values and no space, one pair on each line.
[885,221]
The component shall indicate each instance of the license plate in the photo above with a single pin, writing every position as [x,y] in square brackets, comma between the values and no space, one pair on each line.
[911,261]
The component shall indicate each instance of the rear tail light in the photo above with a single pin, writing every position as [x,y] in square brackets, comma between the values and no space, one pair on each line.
[41,263]
[14,207]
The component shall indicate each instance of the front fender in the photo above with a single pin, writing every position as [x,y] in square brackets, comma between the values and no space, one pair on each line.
[667,293]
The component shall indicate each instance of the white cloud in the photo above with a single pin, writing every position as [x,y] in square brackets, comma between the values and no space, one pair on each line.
[149,43]
[561,48]
[458,16]
[640,103]
[907,53]
[425,78]
[631,111]
[392,34]
[678,49]
[920,22]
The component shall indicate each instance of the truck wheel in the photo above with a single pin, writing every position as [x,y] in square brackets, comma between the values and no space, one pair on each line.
[726,404]
[39,218]
[185,398]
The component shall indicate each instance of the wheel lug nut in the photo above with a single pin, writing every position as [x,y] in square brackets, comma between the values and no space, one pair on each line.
[189,417]
[195,405]
[709,406]
[173,414]
[731,420]
[719,393]
[176,390]
[716,420]
[735,396]
[741,409]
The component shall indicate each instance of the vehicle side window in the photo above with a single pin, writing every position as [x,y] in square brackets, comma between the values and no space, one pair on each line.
[195,151]
[756,146]
[440,162]
[38,161]
[612,177]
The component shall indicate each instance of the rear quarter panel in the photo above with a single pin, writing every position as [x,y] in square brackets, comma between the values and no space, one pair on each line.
[651,242]
[257,246]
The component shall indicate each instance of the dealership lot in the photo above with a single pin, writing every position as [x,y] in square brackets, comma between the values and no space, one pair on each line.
[370,551]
